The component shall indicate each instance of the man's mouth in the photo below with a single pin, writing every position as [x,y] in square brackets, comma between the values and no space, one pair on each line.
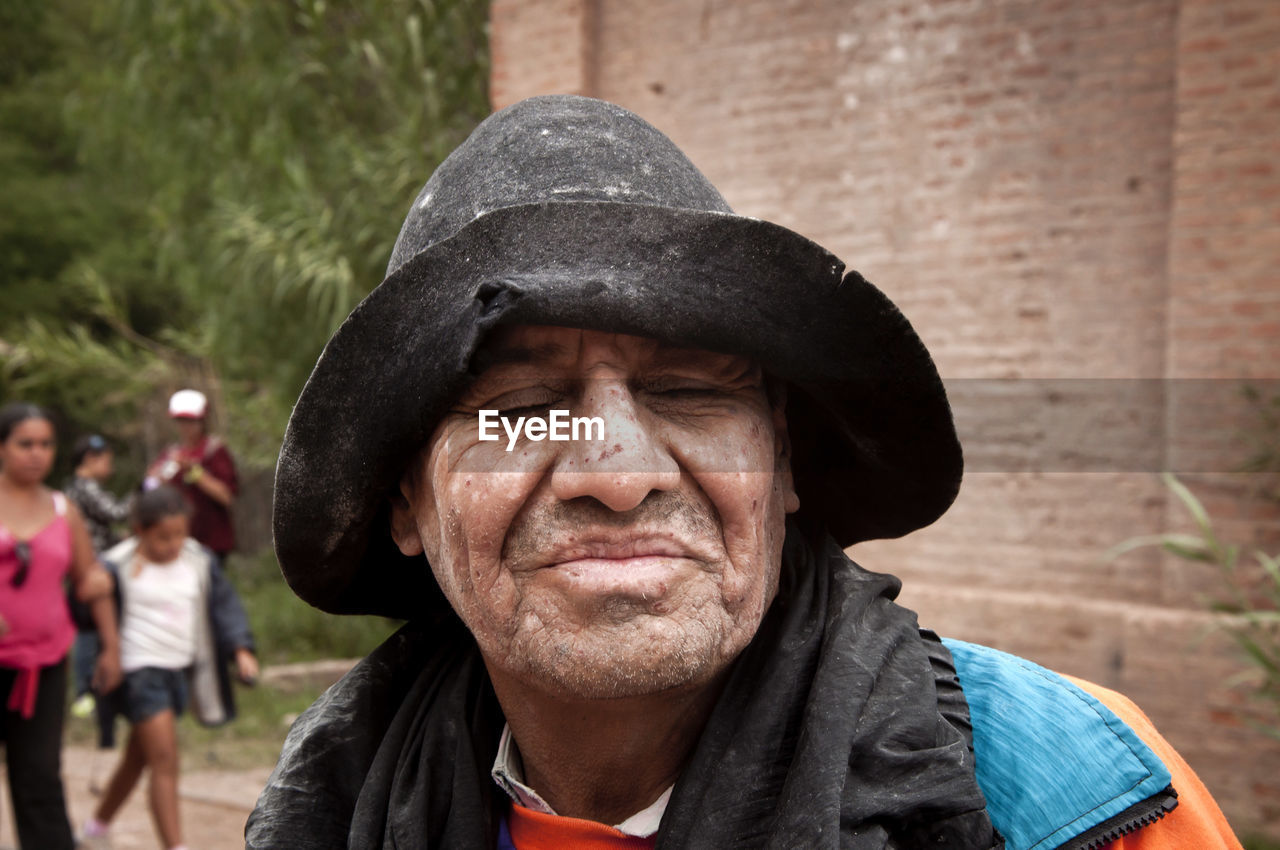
[617,547]
[641,566]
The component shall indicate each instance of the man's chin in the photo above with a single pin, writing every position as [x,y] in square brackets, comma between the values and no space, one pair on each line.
[595,684]
[620,670]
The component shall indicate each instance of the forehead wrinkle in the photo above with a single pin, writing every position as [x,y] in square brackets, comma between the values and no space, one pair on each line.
[502,360]
[546,347]
[671,355]
[644,354]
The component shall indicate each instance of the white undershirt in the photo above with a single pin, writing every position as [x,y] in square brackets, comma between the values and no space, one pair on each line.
[508,772]
[158,623]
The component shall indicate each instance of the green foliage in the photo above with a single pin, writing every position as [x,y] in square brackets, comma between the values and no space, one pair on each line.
[253,739]
[1264,438]
[198,192]
[288,629]
[1250,600]
[41,220]
[24,46]
[1259,842]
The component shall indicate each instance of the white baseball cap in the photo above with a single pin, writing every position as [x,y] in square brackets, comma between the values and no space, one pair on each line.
[188,404]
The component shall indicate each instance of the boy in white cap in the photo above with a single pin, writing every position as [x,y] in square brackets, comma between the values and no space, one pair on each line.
[200,466]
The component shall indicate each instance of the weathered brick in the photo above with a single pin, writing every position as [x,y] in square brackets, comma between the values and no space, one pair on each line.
[1057,189]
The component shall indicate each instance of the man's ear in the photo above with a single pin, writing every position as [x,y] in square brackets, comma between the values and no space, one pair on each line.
[404,522]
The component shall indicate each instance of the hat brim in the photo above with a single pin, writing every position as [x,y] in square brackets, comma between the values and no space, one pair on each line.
[874,448]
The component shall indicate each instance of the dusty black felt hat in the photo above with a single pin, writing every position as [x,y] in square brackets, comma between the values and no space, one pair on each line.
[569,211]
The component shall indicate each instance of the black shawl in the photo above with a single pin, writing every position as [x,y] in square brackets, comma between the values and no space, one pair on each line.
[841,725]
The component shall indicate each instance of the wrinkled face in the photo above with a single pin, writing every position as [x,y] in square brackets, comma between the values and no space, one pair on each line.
[27,455]
[605,567]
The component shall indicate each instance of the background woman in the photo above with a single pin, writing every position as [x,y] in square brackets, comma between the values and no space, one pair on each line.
[42,540]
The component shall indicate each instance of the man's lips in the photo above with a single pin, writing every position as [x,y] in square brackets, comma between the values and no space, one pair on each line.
[642,566]
[649,578]
[614,547]
[617,545]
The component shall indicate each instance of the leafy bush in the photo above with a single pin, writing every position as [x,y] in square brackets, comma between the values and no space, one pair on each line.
[202,190]
[289,630]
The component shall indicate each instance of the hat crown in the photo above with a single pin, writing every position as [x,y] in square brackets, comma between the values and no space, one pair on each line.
[553,149]
[188,404]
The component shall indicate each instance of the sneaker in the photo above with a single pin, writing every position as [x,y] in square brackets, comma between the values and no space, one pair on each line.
[82,707]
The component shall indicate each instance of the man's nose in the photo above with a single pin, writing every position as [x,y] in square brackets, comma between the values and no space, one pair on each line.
[621,469]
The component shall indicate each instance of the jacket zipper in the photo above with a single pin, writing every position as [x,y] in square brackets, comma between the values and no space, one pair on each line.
[1142,813]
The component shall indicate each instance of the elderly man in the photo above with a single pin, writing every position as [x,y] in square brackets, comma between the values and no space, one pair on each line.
[601,441]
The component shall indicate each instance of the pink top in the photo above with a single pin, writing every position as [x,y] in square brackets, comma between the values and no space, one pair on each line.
[40,628]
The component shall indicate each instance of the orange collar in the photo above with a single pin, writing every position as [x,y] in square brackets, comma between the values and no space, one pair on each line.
[532,830]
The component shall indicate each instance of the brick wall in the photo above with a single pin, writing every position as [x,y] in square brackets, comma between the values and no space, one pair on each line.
[556,39]
[1224,240]
[1078,206]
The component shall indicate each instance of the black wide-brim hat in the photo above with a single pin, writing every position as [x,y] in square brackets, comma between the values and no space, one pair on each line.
[569,211]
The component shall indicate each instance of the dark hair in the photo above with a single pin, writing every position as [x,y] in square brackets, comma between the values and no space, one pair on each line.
[89,444]
[17,412]
[153,506]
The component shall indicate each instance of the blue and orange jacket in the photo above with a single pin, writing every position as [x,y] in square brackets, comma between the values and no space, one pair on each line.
[1067,764]
[1064,765]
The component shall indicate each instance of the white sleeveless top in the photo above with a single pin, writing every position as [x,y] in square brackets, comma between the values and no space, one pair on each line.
[161,613]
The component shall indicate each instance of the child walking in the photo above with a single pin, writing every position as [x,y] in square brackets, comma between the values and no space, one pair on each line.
[180,624]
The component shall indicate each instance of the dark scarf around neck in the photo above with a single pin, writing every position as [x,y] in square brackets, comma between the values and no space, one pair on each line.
[841,725]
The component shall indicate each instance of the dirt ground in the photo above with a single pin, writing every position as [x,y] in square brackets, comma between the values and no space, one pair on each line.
[214,803]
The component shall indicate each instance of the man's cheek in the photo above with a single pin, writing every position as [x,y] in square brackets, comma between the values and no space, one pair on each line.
[723,448]
[746,502]
[484,506]
[752,536]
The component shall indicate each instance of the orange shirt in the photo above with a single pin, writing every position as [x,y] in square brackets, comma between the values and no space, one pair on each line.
[532,830]
[1197,821]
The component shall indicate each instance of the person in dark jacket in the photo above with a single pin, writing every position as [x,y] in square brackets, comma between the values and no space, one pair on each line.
[602,442]
[92,460]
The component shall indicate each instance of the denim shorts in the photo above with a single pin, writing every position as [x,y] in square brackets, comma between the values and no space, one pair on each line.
[151,690]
